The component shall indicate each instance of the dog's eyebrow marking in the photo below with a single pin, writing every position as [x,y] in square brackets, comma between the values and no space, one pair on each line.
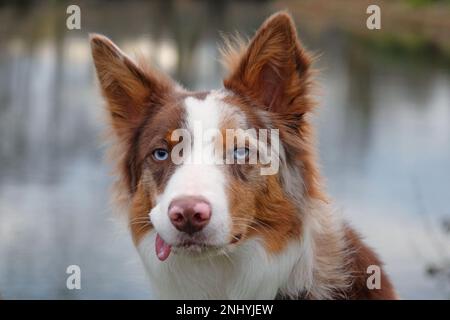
[199,95]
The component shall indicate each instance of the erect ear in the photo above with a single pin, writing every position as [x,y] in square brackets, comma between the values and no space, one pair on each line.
[130,89]
[273,70]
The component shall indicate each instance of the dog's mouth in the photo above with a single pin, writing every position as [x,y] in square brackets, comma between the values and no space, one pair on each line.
[189,246]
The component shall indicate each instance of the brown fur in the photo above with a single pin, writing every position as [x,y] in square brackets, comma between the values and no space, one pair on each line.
[258,204]
[143,106]
[274,72]
[270,79]
[276,220]
[361,257]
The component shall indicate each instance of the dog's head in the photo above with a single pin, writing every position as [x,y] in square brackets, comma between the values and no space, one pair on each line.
[209,170]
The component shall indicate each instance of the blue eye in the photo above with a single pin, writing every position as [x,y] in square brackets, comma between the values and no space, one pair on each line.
[160,154]
[241,153]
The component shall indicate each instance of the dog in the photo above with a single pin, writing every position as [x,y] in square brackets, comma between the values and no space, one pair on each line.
[228,230]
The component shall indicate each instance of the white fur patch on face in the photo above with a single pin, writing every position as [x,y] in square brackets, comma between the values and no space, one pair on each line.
[199,176]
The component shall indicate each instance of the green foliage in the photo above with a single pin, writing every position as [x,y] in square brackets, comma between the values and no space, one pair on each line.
[419,3]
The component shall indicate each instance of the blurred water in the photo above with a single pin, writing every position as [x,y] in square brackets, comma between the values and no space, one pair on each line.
[384,133]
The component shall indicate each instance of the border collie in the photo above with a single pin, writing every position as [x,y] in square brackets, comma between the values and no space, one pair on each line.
[210,228]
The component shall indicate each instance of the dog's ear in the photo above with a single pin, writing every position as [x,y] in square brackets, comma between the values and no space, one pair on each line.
[273,70]
[130,89]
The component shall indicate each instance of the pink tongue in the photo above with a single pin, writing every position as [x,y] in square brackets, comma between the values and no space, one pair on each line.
[162,248]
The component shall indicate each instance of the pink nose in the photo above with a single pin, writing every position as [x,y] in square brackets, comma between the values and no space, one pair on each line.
[189,214]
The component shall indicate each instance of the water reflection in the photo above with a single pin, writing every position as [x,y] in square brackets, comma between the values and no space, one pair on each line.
[384,129]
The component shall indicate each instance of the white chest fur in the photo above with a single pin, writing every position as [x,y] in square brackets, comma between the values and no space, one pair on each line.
[245,273]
